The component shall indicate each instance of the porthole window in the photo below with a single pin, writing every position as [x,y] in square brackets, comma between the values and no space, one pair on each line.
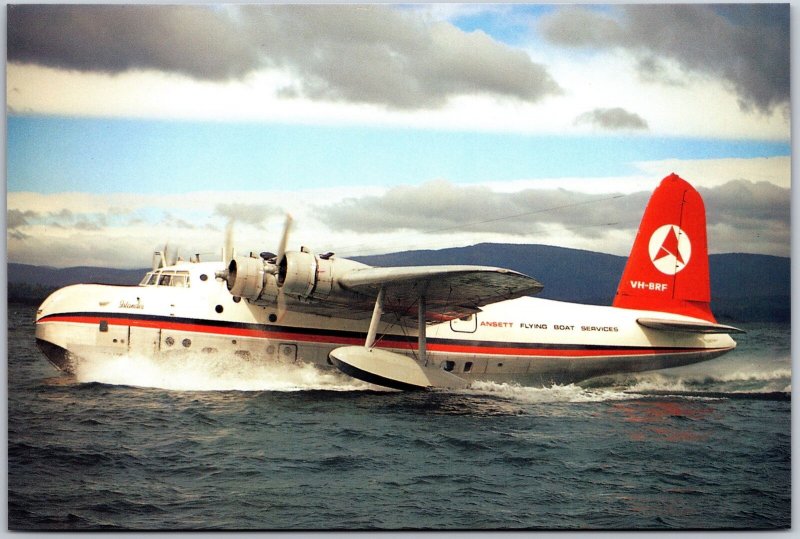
[273,318]
[448,365]
[186,343]
[467,366]
[103,325]
[219,308]
[169,341]
[203,277]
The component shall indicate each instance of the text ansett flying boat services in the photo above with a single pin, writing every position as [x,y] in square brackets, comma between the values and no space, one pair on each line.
[409,327]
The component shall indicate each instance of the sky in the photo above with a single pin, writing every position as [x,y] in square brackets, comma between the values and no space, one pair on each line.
[388,127]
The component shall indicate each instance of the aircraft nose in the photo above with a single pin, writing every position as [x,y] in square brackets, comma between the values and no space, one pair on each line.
[50,338]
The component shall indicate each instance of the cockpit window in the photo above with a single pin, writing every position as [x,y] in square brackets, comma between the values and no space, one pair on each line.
[166,278]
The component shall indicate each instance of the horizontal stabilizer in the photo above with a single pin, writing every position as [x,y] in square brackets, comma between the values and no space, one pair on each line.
[390,369]
[686,326]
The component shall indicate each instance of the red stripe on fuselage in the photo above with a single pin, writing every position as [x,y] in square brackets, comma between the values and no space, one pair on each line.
[388,341]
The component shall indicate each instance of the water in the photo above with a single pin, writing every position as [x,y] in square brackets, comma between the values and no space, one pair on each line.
[133,444]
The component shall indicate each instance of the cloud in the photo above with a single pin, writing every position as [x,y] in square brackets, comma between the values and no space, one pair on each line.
[199,42]
[717,172]
[17,218]
[441,207]
[612,119]
[743,216]
[656,70]
[252,214]
[360,54]
[747,201]
[746,46]
[372,54]
[748,215]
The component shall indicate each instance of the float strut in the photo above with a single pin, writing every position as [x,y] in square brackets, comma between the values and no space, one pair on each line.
[376,318]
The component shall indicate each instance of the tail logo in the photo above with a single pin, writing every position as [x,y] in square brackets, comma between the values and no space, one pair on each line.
[670,249]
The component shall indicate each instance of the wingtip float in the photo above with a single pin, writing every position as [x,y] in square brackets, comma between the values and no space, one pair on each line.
[409,328]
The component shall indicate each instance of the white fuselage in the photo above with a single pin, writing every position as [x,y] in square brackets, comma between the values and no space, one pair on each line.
[526,340]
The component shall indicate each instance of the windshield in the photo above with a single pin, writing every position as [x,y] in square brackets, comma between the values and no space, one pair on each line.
[166,278]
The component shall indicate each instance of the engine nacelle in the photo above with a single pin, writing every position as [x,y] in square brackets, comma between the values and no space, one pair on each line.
[246,277]
[297,274]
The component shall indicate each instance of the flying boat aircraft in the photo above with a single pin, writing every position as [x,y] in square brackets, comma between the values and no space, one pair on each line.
[407,328]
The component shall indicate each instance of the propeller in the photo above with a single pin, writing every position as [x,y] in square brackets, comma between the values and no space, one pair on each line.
[163,259]
[284,239]
[228,253]
[272,262]
[171,258]
[281,299]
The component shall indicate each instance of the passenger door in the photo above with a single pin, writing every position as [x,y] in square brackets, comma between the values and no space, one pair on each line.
[143,341]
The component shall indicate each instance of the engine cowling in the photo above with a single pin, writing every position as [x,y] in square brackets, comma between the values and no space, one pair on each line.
[297,273]
[246,277]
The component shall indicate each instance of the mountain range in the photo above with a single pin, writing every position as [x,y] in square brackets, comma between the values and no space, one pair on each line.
[744,287]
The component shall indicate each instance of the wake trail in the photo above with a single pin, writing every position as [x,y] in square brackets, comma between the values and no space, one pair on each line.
[201,372]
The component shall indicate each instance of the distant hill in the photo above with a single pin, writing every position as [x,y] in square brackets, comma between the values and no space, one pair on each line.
[31,284]
[55,277]
[744,287]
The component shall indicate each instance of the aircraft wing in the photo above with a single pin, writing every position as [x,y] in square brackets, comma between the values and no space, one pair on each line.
[450,291]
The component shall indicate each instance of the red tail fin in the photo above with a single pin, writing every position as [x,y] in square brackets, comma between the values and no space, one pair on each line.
[667,270]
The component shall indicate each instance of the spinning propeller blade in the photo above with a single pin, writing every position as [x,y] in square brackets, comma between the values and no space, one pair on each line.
[281,299]
[284,239]
[171,258]
[228,242]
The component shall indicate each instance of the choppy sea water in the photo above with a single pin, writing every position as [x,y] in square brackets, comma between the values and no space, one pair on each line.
[201,444]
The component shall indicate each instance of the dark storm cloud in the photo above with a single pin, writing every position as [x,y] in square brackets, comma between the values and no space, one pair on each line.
[612,119]
[746,46]
[378,55]
[198,42]
[365,54]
